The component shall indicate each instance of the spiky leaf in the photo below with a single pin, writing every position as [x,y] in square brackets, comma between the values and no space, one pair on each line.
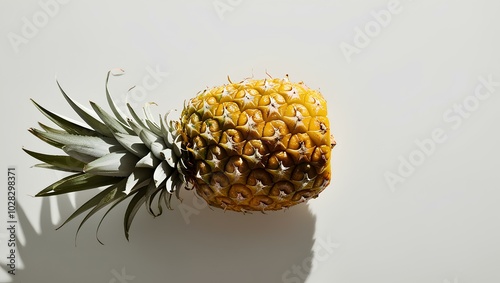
[84,113]
[67,124]
[116,164]
[77,182]
[61,162]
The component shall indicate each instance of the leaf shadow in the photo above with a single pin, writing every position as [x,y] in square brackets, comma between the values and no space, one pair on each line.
[215,246]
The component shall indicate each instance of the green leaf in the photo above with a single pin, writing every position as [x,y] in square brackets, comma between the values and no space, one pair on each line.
[135,116]
[148,161]
[84,182]
[154,142]
[150,120]
[122,197]
[177,147]
[117,164]
[89,204]
[118,113]
[118,200]
[77,182]
[81,153]
[105,197]
[152,191]
[132,208]
[176,185]
[49,190]
[69,126]
[173,142]
[166,197]
[137,127]
[61,162]
[51,167]
[51,130]
[84,113]
[162,173]
[133,144]
[43,136]
[139,178]
[110,121]
[167,136]
[89,145]
[148,114]
[169,156]
[154,128]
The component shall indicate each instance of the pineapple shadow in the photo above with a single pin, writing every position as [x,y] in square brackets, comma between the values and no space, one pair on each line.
[215,246]
[48,255]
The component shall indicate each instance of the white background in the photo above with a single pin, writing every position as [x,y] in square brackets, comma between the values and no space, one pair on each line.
[402,83]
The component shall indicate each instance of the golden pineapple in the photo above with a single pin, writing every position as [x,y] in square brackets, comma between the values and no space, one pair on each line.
[255,145]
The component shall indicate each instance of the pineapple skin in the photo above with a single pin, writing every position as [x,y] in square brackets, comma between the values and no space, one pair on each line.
[257,145]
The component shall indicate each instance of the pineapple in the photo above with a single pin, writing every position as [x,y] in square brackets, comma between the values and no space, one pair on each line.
[256,145]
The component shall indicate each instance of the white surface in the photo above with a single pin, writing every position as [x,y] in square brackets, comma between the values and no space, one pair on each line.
[440,225]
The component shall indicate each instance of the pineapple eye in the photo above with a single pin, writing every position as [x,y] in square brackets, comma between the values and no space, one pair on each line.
[203,168]
[322,128]
[219,178]
[261,201]
[259,176]
[239,192]
[282,188]
[303,195]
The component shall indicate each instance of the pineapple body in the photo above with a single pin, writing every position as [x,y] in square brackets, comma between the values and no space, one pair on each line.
[257,144]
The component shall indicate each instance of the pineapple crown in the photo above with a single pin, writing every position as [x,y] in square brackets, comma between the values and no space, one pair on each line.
[132,158]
